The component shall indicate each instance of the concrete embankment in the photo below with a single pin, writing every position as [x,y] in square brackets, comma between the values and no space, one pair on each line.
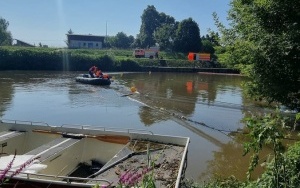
[191,69]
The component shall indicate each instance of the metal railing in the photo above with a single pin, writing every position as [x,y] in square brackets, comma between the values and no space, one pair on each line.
[107,129]
[84,127]
[24,122]
[67,179]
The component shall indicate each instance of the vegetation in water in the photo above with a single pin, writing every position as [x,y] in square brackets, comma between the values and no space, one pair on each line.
[283,163]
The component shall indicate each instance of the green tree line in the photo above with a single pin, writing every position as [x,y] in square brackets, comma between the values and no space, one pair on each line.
[158,28]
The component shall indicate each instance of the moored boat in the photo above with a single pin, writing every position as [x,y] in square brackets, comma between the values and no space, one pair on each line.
[86,79]
[82,156]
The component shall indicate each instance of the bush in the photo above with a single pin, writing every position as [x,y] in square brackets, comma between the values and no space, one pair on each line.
[288,171]
[129,65]
[30,58]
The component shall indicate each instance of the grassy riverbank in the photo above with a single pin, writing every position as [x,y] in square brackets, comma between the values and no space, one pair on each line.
[22,58]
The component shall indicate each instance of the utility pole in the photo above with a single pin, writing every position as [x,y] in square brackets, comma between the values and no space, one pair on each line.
[106,30]
[106,35]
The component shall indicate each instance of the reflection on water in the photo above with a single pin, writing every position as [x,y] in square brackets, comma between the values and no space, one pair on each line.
[6,94]
[202,107]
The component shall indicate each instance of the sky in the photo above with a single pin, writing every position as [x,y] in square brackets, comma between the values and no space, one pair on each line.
[48,21]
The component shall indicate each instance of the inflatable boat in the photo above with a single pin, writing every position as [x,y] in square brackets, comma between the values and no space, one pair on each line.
[86,79]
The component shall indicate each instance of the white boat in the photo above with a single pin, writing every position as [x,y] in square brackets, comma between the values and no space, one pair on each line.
[85,156]
[86,79]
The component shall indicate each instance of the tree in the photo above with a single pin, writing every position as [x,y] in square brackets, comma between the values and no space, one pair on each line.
[187,37]
[263,41]
[213,37]
[207,46]
[156,28]
[70,32]
[150,22]
[121,40]
[166,19]
[5,36]
[210,42]
[164,36]
[131,41]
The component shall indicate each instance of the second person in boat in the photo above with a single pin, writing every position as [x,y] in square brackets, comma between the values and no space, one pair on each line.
[98,73]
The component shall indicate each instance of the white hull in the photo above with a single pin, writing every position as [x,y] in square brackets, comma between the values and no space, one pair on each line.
[59,154]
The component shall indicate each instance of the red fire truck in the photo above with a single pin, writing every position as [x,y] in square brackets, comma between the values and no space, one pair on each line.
[199,56]
[152,52]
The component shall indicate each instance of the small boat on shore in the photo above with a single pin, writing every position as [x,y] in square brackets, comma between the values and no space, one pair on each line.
[86,79]
[36,154]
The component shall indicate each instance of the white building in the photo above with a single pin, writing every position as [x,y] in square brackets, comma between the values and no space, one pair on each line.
[85,41]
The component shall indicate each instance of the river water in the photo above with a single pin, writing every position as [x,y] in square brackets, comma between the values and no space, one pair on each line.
[204,107]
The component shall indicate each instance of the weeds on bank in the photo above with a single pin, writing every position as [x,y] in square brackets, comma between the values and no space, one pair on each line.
[134,178]
[282,170]
[137,178]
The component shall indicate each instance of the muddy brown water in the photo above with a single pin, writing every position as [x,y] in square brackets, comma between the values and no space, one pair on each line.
[203,107]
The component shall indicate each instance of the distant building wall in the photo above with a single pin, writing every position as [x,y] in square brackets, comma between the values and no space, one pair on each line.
[85,41]
[85,44]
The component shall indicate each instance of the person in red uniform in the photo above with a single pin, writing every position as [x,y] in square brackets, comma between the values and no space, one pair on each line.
[98,73]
